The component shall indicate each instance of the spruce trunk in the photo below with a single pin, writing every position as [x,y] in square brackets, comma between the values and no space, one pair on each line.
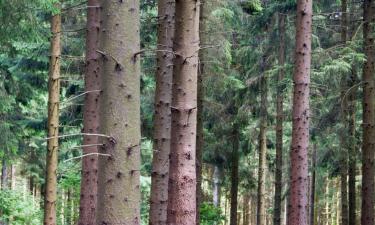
[262,142]
[162,117]
[4,174]
[352,149]
[368,143]
[298,205]
[89,180]
[182,172]
[53,122]
[279,123]
[119,164]
[234,177]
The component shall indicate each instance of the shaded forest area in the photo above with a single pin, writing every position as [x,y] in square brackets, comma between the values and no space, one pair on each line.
[187,112]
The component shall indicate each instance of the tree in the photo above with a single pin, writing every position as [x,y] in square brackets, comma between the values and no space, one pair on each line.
[279,122]
[262,146]
[53,121]
[298,211]
[119,163]
[182,172]
[162,117]
[368,144]
[89,180]
[234,175]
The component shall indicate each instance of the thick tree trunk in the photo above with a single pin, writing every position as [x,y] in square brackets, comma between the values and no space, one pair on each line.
[234,177]
[89,180]
[182,180]
[262,142]
[119,169]
[312,187]
[368,143]
[279,123]
[53,122]
[216,186]
[343,138]
[162,118]
[4,174]
[298,208]
[352,148]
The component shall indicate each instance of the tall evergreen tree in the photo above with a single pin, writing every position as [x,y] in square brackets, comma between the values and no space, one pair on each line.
[50,197]
[119,164]
[89,174]
[182,172]
[368,144]
[162,117]
[279,121]
[298,204]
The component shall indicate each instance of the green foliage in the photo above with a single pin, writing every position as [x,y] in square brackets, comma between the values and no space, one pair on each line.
[210,214]
[19,208]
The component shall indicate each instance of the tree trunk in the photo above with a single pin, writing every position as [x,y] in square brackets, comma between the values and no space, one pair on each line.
[89,174]
[182,180]
[279,123]
[204,11]
[4,175]
[368,144]
[53,122]
[312,187]
[261,211]
[245,209]
[298,211]
[119,169]
[162,120]
[13,177]
[352,148]
[344,154]
[234,177]
[216,186]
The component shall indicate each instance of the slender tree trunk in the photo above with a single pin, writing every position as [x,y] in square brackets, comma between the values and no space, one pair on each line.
[234,177]
[344,153]
[261,211]
[200,132]
[119,173]
[352,148]
[89,180]
[216,186]
[245,209]
[312,187]
[182,180]
[279,123]
[4,175]
[53,122]
[162,120]
[368,143]
[298,211]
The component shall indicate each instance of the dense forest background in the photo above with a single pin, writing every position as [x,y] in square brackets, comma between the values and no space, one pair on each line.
[246,94]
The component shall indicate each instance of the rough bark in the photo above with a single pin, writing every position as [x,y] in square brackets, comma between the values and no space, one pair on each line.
[234,177]
[182,180]
[53,122]
[4,174]
[312,187]
[262,142]
[162,118]
[368,143]
[89,174]
[298,205]
[279,123]
[119,169]
[216,186]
